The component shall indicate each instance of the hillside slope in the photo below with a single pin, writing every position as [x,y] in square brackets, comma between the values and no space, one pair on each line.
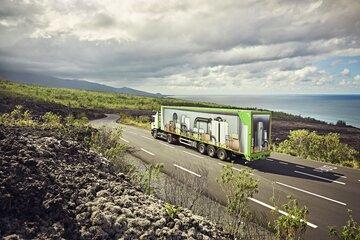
[101,102]
[49,81]
[53,187]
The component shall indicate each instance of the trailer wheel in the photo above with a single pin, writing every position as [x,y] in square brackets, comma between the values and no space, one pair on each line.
[222,154]
[169,138]
[154,134]
[211,151]
[201,148]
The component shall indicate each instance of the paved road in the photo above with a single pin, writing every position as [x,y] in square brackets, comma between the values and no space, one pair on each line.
[327,190]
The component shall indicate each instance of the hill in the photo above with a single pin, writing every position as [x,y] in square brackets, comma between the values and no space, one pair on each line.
[54,187]
[49,81]
[93,104]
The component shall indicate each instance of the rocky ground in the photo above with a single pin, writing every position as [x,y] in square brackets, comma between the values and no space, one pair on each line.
[53,187]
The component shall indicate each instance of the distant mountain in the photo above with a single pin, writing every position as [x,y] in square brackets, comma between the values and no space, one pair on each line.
[49,81]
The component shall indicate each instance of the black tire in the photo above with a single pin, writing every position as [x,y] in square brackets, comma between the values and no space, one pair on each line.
[201,148]
[211,151]
[154,134]
[169,138]
[222,154]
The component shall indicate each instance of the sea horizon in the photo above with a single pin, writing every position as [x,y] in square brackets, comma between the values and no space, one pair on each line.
[324,107]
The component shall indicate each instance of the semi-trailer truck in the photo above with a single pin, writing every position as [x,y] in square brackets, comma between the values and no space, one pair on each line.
[217,132]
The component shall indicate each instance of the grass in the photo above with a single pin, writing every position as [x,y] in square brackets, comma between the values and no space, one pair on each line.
[85,99]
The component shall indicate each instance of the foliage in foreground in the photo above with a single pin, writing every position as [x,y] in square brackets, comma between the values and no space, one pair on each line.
[292,225]
[23,118]
[238,187]
[325,148]
[351,231]
[171,210]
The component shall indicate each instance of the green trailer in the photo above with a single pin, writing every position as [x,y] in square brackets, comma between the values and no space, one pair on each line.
[217,132]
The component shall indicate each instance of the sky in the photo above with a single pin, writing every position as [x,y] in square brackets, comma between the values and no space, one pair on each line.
[188,47]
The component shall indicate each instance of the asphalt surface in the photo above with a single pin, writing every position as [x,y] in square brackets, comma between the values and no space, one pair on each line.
[327,190]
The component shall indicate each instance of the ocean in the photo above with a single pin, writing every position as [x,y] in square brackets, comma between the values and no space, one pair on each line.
[325,107]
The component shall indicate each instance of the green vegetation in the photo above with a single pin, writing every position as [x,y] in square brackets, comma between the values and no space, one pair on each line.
[171,210]
[340,123]
[325,148]
[351,231]
[106,142]
[21,117]
[90,99]
[140,121]
[76,98]
[291,226]
[238,187]
[152,172]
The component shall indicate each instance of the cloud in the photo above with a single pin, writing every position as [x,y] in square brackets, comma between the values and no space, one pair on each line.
[345,72]
[335,63]
[177,44]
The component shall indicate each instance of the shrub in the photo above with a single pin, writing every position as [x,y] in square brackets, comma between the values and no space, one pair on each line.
[18,117]
[171,210]
[152,172]
[327,148]
[107,142]
[292,225]
[340,123]
[140,121]
[351,231]
[51,120]
[238,187]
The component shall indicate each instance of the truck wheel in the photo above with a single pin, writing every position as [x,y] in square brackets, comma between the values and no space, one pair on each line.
[211,151]
[169,138]
[154,134]
[222,154]
[201,148]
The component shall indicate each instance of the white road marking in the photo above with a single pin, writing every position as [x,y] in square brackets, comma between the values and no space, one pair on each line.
[124,139]
[283,163]
[298,166]
[148,138]
[187,170]
[280,211]
[235,168]
[327,179]
[359,180]
[314,194]
[147,151]
[132,132]
[341,176]
[326,168]
[167,145]
[193,154]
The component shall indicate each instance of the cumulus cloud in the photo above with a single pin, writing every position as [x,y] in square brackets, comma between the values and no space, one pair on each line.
[180,44]
[345,72]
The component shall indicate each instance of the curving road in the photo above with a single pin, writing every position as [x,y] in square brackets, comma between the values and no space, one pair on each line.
[327,190]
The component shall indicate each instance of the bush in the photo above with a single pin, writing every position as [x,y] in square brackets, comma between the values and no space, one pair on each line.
[140,121]
[326,148]
[341,123]
[238,187]
[152,172]
[292,225]
[171,210]
[107,142]
[18,117]
[51,120]
[351,231]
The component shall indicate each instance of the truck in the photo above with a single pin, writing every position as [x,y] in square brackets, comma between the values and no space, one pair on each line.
[217,132]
